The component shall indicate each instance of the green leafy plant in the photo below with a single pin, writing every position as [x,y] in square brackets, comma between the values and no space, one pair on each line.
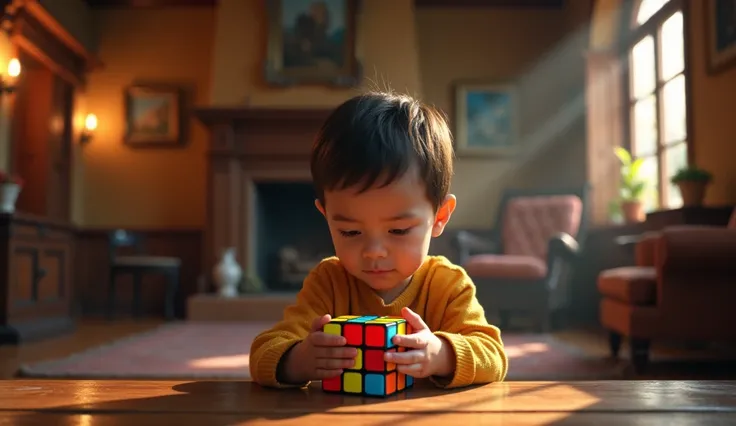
[614,211]
[632,186]
[691,174]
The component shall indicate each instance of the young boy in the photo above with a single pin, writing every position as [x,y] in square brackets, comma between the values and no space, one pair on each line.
[382,166]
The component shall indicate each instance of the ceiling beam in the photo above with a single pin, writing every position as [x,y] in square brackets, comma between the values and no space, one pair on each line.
[509,4]
[149,4]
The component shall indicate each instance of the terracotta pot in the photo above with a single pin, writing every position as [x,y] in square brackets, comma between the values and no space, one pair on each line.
[692,192]
[633,211]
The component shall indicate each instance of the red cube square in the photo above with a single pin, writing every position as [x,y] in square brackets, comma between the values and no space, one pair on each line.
[374,360]
[353,334]
[375,335]
[332,384]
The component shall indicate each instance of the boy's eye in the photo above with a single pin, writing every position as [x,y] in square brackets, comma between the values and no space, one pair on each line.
[349,233]
[400,231]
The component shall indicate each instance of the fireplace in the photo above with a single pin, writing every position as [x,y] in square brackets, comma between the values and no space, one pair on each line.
[259,194]
[290,236]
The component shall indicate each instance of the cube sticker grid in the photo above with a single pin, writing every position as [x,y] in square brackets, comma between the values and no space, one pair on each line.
[372,336]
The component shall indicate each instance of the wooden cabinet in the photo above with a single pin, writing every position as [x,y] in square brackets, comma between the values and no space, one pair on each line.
[36,243]
[36,282]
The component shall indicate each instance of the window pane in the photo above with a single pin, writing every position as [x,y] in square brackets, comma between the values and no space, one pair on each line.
[644,124]
[649,172]
[647,8]
[673,110]
[643,78]
[673,46]
[675,159]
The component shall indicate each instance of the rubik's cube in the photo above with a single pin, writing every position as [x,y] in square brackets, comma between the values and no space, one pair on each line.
[371,335]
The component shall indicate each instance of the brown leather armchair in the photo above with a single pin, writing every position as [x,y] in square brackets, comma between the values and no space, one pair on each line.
[683,288]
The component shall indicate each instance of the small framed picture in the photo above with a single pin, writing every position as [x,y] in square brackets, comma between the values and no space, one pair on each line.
[153,115]
[486,119]
[720,34]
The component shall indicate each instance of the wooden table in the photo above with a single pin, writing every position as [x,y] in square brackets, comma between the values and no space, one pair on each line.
[212,403]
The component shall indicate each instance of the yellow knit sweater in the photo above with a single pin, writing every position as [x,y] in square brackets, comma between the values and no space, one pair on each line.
[440,292]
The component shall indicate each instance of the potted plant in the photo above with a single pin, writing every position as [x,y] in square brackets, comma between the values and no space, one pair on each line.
[632,187]
[692,182]
[10,187]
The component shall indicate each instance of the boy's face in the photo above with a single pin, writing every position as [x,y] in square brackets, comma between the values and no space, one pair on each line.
[382,235]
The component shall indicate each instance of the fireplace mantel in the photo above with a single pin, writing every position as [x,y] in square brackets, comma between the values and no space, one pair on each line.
[247,145]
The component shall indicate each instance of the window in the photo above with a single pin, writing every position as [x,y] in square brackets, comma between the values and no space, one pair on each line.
[657,98]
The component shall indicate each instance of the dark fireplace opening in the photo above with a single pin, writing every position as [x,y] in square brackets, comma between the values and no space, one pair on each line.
[291,234]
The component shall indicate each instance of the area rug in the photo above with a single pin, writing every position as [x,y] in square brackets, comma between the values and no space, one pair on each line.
[216,350]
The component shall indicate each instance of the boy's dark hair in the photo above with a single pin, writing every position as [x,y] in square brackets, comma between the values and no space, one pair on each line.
[374,138]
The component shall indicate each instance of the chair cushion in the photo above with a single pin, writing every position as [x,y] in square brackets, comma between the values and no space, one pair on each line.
[635,285]
[147,261]
[505,266]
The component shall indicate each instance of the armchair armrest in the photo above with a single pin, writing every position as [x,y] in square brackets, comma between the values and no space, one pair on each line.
[696,250]
[468,243]
[645,248]
[563,246]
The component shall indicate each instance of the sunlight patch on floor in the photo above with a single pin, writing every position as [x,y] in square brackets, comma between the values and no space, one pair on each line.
[518,351]
[230,361]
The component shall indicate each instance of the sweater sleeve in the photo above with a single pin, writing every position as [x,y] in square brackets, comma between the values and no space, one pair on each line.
[480,356]
[268,348]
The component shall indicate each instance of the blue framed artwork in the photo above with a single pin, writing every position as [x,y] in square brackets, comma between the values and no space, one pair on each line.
[486,119]
[721,34]
[312,42]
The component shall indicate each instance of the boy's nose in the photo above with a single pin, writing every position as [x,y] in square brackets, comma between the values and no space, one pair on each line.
[374,250]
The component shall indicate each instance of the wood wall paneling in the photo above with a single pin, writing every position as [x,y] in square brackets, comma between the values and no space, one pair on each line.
[92,268]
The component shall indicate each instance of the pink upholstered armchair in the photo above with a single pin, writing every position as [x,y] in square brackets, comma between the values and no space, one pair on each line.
[524,266]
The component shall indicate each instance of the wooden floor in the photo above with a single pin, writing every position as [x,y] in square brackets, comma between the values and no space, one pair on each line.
[720,361]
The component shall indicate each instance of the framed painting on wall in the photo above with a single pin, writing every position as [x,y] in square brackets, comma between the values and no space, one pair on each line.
[312,42]
[720,34]
[486,119]
[153,115]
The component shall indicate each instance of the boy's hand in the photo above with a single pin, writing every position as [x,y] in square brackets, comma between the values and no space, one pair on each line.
[428,355]
[319,356]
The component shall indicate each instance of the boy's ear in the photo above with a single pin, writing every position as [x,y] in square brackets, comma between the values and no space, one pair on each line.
[443,215]
[319,206]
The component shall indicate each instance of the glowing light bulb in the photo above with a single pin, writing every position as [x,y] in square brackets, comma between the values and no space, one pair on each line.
[90,123]
[14,68]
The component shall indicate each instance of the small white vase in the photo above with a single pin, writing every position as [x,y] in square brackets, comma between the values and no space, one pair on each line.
[8,196]
[227,274]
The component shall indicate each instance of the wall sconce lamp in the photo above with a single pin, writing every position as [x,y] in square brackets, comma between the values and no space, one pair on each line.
[90,124]
[7,84]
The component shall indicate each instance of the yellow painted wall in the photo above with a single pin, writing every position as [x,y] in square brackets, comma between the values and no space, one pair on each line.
[419,52]
[148,188]
[713,102]
[495,46]
[387,37]
[219,52]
